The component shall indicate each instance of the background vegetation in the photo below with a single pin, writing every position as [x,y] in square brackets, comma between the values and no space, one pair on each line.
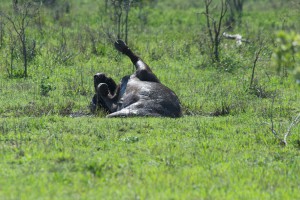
[238,107]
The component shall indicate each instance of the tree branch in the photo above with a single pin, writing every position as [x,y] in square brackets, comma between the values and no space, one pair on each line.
[294,122]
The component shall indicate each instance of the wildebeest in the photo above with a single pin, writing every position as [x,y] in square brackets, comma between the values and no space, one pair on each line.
[139,94]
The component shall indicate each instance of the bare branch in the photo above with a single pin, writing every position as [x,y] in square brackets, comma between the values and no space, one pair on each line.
[257,54]
[294,123]
[224,9]
[271,119]
[237,37]
[207,4]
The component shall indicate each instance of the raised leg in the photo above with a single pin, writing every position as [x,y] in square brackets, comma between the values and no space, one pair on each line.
[143,71]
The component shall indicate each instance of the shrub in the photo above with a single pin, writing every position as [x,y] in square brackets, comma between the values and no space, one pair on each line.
[286,54]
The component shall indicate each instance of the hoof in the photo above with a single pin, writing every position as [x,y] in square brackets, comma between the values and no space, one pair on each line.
[121,46]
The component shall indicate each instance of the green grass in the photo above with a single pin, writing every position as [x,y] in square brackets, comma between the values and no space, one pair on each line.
[52,147]
[188,158]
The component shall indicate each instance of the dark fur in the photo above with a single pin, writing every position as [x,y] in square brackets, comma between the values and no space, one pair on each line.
[140,94]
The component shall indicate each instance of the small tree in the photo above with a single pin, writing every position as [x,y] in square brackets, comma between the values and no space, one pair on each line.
[214,28]
[236,11]
[256,57]
[19,20]
[120,16]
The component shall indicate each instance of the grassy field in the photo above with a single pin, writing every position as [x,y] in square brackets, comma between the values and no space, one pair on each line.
[52,147]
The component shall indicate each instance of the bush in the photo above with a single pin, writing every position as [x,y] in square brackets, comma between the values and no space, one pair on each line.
[286,54]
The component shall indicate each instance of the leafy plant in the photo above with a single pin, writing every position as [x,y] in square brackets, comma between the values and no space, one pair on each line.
[45,86]
[286,54]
